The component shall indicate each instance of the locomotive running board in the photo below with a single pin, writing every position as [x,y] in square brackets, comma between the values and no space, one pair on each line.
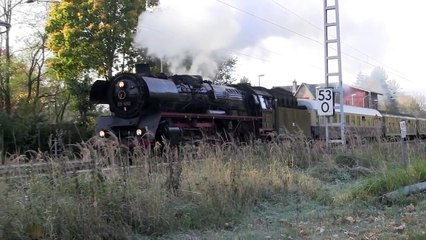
[208,116]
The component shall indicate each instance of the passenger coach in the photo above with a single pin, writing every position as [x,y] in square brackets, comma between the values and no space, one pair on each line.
[359,122]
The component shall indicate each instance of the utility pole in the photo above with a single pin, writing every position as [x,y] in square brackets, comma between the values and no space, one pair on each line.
[259,76]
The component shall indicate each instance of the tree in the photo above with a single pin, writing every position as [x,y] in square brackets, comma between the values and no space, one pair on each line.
[408,105]
[413,104]
[35,57]
[55,99]
[391,94]
[378,81]
[7,7]
[95,35]
[225,71]
[245,79]
[80,97]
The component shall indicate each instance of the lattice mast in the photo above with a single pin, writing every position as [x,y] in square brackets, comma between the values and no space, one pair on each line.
[333,60]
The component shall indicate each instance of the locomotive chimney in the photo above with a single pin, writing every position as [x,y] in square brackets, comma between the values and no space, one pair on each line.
[294,89]
[143,68]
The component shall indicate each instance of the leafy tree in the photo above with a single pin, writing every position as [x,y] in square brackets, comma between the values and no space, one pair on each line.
[158,65]
[391,94]
[80,97]
[34,57]
[7,7]
[413,104]
[245,79]
[55,99]
[18,87]
[408,105]
[225,71]
[92,34]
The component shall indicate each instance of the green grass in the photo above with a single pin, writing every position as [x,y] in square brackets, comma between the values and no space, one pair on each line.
[391,179]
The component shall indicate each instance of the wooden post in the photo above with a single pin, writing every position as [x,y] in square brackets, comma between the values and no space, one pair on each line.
[404,152]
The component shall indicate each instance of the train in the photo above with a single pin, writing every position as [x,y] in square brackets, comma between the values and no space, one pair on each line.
[145,109]
[365,123]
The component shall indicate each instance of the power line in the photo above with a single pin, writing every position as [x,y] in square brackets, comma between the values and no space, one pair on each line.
[269,21]
[285,28]
[232,52]
[274,24]
[295,14]
[396,72]
[294,32]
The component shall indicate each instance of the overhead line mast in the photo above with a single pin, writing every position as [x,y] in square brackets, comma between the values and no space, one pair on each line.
[333,60]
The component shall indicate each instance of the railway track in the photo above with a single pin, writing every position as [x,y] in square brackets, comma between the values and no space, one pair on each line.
[40,168]
[43,167]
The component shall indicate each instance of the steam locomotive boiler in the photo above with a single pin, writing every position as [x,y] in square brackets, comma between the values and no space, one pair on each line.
[147,108]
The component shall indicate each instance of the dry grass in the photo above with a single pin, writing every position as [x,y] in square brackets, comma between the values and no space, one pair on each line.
[197,187]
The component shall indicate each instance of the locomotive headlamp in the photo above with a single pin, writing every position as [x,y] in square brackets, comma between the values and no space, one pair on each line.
[139,132]
[121,84]
[102,133]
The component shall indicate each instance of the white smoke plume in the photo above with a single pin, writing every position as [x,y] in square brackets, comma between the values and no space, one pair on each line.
[208,30]
[204,30]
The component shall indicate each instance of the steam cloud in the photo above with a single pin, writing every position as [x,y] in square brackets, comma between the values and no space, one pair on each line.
[203,30]
[209,30]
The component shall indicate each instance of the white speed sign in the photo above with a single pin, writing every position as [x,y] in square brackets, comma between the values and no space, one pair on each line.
[325,98]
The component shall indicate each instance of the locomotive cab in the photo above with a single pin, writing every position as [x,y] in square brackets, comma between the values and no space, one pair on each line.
[264,103]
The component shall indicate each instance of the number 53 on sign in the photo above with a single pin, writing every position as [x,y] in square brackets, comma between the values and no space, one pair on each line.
[325,98]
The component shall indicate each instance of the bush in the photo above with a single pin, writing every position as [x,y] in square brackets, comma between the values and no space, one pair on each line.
[22,135]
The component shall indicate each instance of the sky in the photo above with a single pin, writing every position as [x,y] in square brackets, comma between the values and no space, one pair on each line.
[283,39]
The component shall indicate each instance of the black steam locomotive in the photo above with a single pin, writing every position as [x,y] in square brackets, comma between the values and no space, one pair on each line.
[181,108]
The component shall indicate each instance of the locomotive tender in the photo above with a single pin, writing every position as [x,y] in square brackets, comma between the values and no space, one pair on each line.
[180,108]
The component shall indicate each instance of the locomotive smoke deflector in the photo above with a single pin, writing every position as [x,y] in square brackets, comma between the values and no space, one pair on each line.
[98,92]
